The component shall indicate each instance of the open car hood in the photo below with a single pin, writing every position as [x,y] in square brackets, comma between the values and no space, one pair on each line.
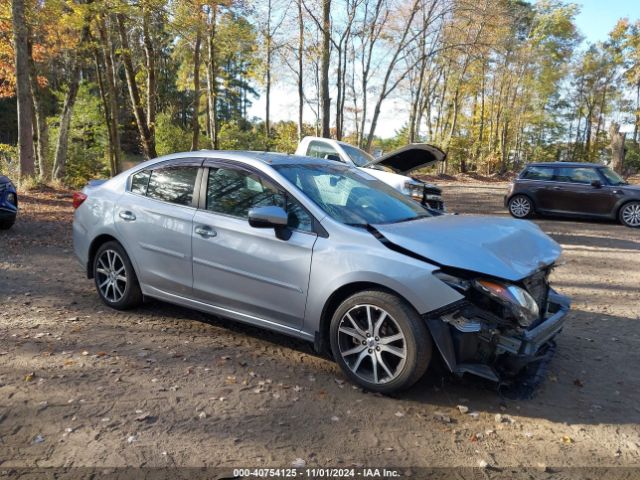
[410,157]
[499,247]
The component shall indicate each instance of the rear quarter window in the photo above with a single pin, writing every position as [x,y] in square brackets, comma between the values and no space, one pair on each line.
[538,173]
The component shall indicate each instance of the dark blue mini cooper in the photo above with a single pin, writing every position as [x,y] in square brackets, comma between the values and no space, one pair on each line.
[8,203]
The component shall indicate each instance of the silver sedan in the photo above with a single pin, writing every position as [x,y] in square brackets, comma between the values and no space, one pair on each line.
[326,253]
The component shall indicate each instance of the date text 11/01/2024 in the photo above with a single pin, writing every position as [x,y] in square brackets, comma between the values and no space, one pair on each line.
[317,472]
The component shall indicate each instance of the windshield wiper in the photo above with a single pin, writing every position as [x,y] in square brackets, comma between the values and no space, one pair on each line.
[408,219]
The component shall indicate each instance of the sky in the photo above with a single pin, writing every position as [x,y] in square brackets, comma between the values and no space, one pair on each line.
[595,20]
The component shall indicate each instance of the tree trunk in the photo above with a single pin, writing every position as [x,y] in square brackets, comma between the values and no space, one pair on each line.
[148,144]
[268,40]
[60,159]
[617,148]
[195,123]
[110,100]
[325,100]
[23,90]
[300,71]
[212,72]
[41,132]
[150,58]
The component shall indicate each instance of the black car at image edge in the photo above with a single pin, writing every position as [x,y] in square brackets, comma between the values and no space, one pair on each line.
[8,203]
[585,190]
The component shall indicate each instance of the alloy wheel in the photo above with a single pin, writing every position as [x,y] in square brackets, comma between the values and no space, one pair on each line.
[631,214]
[111,276]
[520,207]
[372,344]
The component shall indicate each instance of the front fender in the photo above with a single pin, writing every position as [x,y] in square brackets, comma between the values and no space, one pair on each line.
[334,266]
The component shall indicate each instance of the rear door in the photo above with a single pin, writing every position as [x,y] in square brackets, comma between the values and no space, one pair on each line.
[244,269]
[154,219]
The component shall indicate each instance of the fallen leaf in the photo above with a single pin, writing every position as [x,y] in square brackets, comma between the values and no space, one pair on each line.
[567,439]
[298,463]
[578,383]
[29,377]
[463,409]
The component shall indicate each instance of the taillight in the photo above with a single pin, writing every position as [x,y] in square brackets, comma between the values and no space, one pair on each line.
[78,198]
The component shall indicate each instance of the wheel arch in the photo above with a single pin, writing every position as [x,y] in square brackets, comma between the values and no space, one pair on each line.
[623,203]
[93,249]
[321,340]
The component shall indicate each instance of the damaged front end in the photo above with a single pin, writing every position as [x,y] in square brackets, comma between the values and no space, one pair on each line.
[500,327]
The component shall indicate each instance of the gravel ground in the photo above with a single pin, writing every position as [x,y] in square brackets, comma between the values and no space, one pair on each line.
[82,385]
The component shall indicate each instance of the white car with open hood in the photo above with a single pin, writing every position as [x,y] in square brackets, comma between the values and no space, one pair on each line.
[392,168]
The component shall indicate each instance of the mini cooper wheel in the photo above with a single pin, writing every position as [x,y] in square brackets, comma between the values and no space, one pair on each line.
[630,214]
[115,278]
[380,342]
[520,206]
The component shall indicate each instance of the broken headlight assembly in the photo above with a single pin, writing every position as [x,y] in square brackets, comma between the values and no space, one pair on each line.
[516,299]
[512,298]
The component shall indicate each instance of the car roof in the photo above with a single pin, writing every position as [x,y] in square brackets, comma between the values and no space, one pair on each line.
[268,158]
[565,164]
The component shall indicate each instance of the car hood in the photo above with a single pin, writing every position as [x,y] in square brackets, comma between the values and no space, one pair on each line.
[499,247]
[410,157]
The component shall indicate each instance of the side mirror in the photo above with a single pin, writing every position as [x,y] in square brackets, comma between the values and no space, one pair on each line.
[596,183]
[271,217]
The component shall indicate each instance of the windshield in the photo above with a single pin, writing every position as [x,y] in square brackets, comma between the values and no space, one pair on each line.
[612,177]
[351,196]
[357,156]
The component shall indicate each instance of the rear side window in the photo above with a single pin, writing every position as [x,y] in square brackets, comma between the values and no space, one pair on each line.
[577,175]
[538,173]
[322,150]
[139,182]
[173,184]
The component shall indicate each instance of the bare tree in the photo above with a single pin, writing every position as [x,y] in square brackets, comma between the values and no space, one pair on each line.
[23,90]
[325,99]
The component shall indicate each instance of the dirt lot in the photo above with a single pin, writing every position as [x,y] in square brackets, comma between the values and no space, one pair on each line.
[81,385]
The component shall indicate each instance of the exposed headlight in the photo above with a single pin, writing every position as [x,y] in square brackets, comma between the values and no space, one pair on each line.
[413,189]
[521,303]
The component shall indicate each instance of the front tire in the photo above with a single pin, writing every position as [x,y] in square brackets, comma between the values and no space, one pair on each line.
[630,214]
[380,342]
[7,223]
[521,206]
[115,279]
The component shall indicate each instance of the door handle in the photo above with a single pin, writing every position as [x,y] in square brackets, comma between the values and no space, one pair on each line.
[127,216]
[205,231]
[556,188]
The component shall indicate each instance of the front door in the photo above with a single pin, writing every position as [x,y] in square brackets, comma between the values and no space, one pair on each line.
[577,195]
[244,269]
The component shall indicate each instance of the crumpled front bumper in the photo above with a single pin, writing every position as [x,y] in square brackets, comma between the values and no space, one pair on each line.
[532,340]
[510,353]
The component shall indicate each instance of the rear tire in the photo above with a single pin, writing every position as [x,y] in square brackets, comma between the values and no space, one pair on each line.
[521,206]
[380,342]
[115,278]
[7,223]
[629,215]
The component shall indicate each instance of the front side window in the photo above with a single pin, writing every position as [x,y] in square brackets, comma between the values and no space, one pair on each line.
[173,184]
[322,150]
[351,196]
[538,173]
[234,192]
[612,177]
[577,175]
